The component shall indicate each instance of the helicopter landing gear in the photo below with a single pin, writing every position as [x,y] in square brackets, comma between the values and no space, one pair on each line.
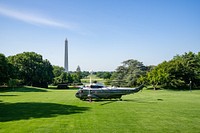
[90,99]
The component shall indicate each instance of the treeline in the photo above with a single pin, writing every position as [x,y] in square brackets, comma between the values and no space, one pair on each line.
[181,72]
[29,68]
[26,68]
[70,78]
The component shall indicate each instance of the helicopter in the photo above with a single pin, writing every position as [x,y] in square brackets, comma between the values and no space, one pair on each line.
[99,91]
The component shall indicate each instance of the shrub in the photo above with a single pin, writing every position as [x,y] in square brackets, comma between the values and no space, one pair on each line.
[14,83]
[62,86]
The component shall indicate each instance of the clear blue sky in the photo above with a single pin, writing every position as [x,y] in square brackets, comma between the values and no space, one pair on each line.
[101,33]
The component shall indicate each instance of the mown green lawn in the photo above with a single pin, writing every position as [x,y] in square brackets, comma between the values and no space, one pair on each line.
[94,78]
[38,110]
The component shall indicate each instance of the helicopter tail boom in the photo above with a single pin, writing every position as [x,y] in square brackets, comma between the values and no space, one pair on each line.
[139,88]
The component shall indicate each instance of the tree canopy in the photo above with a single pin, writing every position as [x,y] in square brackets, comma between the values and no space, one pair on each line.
[128,73]
[178,72]
[62,77]
[32,69]
[4,69]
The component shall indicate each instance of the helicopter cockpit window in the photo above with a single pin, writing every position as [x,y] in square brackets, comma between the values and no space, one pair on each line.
[96,86]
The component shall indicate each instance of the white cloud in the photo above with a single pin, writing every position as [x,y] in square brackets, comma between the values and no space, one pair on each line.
[32,18]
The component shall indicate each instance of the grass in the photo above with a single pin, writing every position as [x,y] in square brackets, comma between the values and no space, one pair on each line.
[39,110]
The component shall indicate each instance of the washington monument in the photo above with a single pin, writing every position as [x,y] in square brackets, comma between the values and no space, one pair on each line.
[66,55]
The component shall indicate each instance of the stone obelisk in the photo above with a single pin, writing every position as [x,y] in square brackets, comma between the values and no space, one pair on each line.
[66,55]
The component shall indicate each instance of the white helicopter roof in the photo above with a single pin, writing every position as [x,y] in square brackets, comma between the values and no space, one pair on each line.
[95,85]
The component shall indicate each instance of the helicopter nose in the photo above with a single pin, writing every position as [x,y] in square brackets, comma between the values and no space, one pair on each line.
[77,95]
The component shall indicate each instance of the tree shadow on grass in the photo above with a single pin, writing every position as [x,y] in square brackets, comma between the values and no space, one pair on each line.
[23,89]
[29,110]
[7,95]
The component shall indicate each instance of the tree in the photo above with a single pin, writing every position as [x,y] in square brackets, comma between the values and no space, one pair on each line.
[197,70]
[4,69]
[179,72]
[66,78]
[32,69]
[104,75]
[84,74]
[184,69]
[76,78]
[158,75]
[128,73]
[57,70]
[44,74]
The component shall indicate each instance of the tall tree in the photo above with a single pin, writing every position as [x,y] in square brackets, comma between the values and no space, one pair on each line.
[158,75]
[33,70]
[197,71]
[4,69]
[44,74]
[128,73]
[66,78]
[179,72]
[57,70]
[104,75]
[184,68]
